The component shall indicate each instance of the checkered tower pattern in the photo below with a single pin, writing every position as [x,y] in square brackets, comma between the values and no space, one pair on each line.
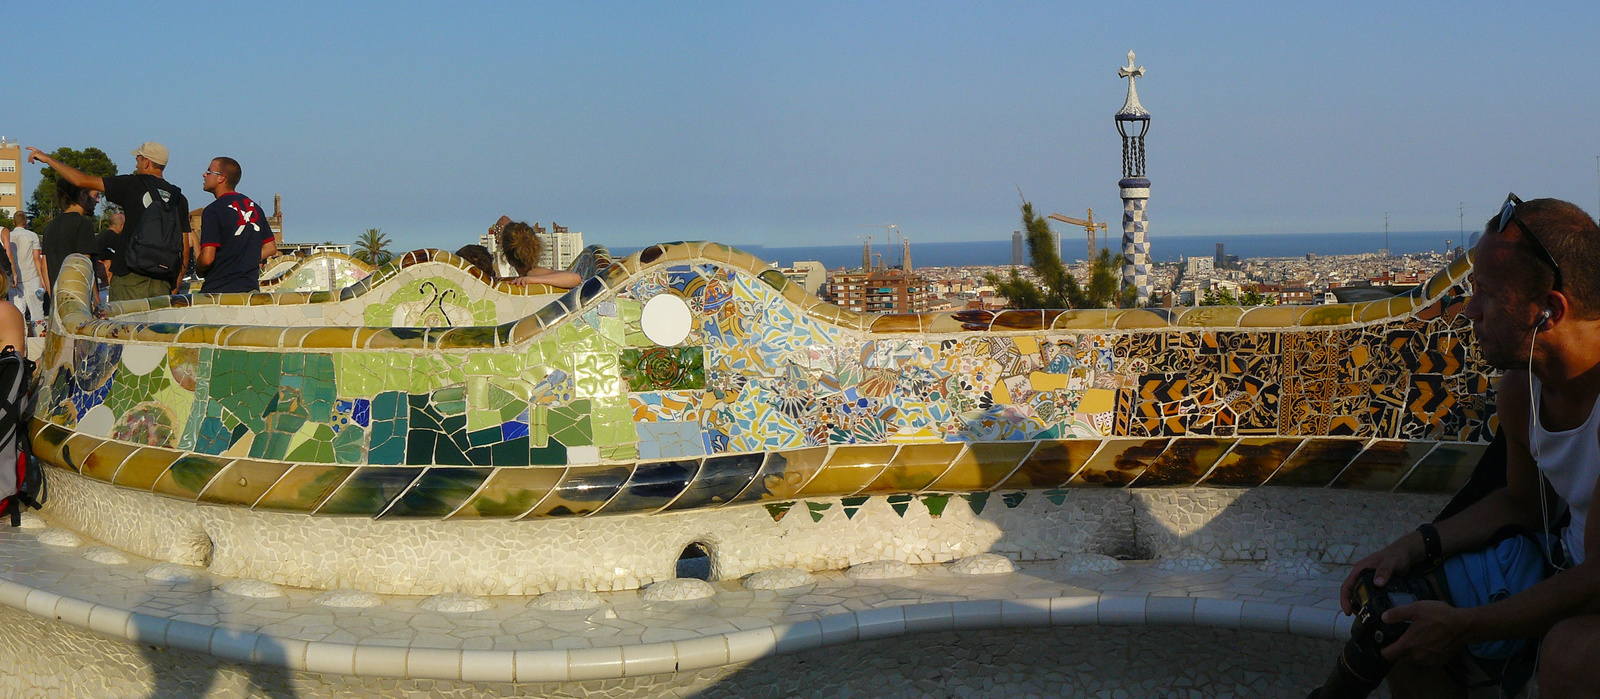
[1135,246]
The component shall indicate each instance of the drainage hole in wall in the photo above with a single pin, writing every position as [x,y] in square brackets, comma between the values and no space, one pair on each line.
[695,562]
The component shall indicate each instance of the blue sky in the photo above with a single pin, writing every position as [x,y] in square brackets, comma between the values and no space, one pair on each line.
[795,124]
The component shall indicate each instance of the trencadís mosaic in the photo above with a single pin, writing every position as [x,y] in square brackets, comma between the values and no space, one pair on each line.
[686,377]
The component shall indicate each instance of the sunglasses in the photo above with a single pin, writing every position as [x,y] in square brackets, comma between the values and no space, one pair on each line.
[213,172]
[1508,213]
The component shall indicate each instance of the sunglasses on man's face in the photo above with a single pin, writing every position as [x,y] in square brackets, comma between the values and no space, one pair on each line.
[1508,213]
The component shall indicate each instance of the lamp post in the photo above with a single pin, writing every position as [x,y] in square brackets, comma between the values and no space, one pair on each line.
[1133,122]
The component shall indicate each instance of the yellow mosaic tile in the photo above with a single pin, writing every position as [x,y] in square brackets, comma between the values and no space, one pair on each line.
[1272,317]
[253,336]
[1210,317]
[1051,464]
[914,467]
[1139,318]
[1331,314]
[1086,319]
[243,482]
[141,469]
[849,469]
[1119,462]
[102,463]
[982,466]
[304,488]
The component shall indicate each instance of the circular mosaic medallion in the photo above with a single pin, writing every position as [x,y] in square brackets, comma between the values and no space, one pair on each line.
[666,320]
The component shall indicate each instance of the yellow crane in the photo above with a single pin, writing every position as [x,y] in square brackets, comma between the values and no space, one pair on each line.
[1089,225]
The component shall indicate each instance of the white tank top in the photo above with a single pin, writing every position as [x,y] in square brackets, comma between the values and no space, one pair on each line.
[1570,459]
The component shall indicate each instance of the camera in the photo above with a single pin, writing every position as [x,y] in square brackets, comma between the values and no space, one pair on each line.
[1361,666]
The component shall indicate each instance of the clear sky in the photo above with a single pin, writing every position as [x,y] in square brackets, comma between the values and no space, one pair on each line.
[795,124]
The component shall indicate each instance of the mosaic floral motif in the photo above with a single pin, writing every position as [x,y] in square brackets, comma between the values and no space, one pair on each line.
[147,423]
[664,368]
[764,374]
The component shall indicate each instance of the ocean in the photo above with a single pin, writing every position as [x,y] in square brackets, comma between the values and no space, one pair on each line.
[1162,248]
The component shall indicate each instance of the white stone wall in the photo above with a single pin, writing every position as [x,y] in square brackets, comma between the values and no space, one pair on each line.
[619,553]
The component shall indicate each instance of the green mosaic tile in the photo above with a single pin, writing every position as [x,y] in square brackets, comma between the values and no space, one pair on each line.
[663,368]
[188,476]
[438,493]
[570,424]
[303,488]
[390,424]
[246,383]
[596,374]
[369,490]
[318,449]
[349,445]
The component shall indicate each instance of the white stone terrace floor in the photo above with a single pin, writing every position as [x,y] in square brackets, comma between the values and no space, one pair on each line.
[627,636]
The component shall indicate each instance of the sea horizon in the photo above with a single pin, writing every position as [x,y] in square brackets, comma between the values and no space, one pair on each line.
[1162,248]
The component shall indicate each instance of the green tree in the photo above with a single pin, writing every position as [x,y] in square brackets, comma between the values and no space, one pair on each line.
[43,205]
[373,248]
[1256,298]
[1218,297]
[5,220]
[1057,288]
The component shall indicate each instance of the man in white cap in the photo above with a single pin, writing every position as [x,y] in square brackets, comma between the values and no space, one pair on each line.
[138,195]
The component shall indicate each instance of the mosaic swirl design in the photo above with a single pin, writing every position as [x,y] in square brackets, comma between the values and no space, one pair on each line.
[773,398]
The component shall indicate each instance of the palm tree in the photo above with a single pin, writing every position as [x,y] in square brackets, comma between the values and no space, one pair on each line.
[373,247]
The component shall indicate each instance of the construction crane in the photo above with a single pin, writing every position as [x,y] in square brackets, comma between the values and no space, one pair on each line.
[1088,226]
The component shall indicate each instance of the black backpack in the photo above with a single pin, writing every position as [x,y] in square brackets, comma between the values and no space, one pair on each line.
[155,247]
[21,478]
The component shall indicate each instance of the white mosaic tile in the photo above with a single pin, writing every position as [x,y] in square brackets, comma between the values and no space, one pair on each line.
[779,579]
[1091,563]
[60,537]
[347,599]
[566,600]
[105,555]
[170,573]
[257,589]
[1192,563]
[455,603]
[881,570]
[983,564]
[677,590]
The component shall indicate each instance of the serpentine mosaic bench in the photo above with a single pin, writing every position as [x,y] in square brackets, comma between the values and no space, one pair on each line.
[424,431]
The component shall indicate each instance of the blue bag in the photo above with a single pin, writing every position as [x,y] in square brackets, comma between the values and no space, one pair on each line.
[1491,574]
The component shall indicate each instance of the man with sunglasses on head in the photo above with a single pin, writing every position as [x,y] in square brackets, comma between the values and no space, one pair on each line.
[235,237]
[1535,312]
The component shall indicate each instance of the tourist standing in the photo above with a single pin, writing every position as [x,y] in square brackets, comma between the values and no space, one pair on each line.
[27,268]
[107,244]
[72,231]
[235,237]
[160,255]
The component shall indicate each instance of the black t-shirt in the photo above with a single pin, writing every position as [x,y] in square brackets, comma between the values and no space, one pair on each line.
[67,233]
[237,228]
[130,192]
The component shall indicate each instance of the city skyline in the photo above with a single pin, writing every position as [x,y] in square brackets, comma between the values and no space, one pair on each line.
[807,125]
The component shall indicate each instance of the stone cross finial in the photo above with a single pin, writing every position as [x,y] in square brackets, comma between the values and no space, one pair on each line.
[1130,72]
[1132,108]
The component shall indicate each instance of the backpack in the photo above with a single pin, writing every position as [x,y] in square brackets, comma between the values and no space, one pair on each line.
[155,247]
[21,478]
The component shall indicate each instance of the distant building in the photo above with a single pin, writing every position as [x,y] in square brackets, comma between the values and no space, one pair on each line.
[560,246]
[1296,296]
[809,274]
[880,291]
[1196,267]
[10,176]
[1016,249]
[1220,260]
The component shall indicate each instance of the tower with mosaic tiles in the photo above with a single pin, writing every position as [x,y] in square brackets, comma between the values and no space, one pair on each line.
[1132,123]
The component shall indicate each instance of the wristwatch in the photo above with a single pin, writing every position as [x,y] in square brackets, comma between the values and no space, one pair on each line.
[1432,549]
